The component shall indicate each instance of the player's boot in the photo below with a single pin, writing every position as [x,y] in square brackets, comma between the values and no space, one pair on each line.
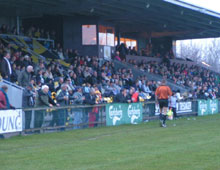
[164,117]
[163,125]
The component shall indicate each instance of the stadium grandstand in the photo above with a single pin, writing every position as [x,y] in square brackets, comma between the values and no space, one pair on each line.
[69,68]
[94,52]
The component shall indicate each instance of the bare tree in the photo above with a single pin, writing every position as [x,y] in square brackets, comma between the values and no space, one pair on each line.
[207,51]
[189,50]
[212,54]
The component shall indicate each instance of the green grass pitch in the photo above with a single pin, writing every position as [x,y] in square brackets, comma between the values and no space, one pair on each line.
[190,145]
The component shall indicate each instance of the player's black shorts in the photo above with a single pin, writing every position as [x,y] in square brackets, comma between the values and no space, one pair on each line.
[163,103]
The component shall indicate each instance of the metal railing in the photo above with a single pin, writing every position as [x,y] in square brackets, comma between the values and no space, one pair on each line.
[63,117]
[86,116]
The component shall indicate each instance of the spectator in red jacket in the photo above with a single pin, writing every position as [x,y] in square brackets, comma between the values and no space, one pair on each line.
[134,95]
[4,102]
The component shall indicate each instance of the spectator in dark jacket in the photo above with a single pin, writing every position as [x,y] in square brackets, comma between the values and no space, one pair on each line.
[122,97]
[28,101]
[63,95]
[39,77]
[25,76]
[14,76]
[62,99]
[91,99]
[27,61]
[59,84]
[78,98]
[123,51]
[42,100]
[6,68]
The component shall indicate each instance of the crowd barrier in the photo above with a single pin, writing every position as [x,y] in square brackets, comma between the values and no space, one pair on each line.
[39,120]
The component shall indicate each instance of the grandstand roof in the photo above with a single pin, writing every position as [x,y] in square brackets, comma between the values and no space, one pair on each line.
[160,18]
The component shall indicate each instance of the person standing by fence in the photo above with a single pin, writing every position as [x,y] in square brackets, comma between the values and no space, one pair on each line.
[162,94]
[91,99]
[173,103]
[78,99]
[28,102]
[62,99]
[42,100]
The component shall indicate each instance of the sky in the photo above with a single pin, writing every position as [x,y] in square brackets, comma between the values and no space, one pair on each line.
[213,5]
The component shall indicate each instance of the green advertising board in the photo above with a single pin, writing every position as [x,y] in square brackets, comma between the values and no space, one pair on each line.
[134,113]
[213,106]
[114,114]
[206,107]
[202,107]
[120,113]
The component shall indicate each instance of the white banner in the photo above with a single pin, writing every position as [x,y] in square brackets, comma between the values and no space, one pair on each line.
[181,107]
[184,107]
[10,121]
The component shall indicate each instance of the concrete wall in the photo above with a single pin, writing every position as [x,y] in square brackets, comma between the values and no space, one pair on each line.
[72,34]
[142,43]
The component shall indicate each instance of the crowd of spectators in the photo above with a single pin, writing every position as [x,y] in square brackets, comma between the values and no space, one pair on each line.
[5,29]
[202,82]
[87,73]
[87,80]
[122,50]
[36,32]
[151,51]
[32,32]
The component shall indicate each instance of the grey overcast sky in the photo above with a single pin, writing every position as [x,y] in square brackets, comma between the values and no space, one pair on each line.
[213,5]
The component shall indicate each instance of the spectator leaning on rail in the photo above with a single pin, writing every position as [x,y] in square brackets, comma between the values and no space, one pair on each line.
[42,100]
[28,102]
[63,100]
[4,101]
[91,99]
[78,98]
[25,76]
